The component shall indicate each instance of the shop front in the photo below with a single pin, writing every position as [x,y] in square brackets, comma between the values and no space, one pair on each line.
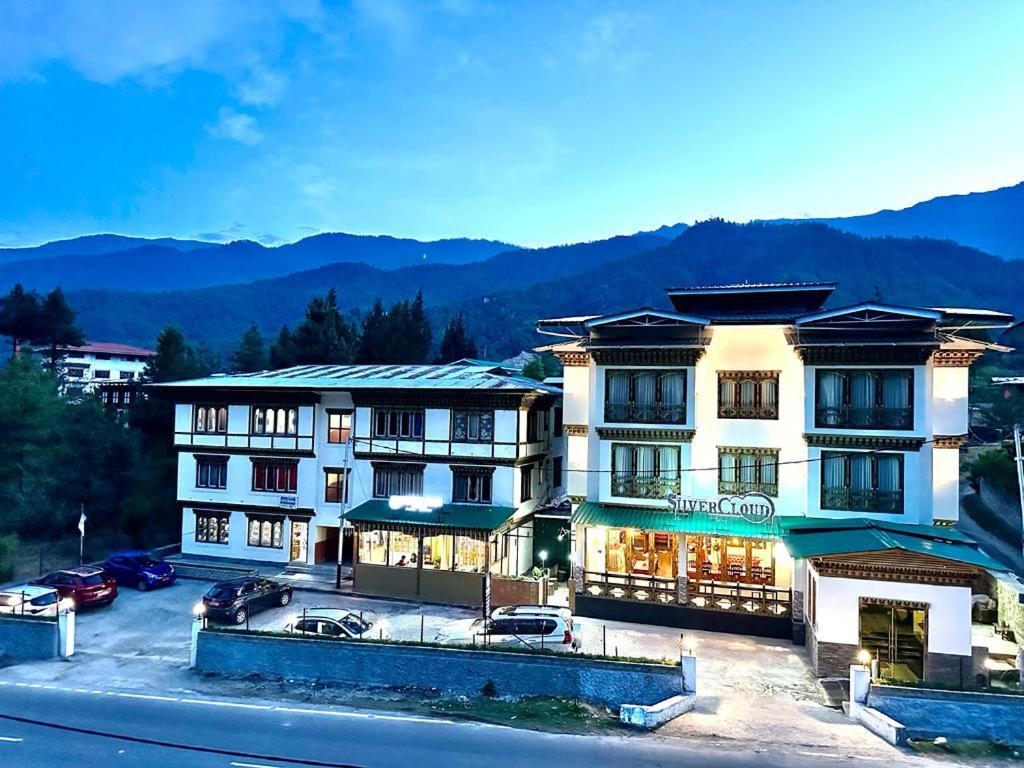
[696,568]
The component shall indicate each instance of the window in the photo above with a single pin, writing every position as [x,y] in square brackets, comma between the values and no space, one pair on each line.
[532,426]
[125,375]
[526,483]
[265,532]
[645,471]
[748,394]
[339,426]
[373,547]
[275,421]
[211,472]
[211,418]
[212,527]
[276,476]
[74,373]
[398,424]
[862,482]
[558,423]
[397,480]
[860,398]
[473,426]
[556,472]
[101,356]
[470,554]
[472,484]
[335,485]
[645,397]
[746,470]
[101,374]
[403,549]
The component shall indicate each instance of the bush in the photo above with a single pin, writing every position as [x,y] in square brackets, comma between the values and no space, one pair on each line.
[8,551]
[997,467]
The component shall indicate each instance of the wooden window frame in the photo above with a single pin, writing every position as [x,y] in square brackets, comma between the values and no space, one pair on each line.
[276,465]
[468,413]
[388,467]
[220,419]
[633,373]
[847,480]
[274,522]
[739,486]
[820,421]
[466,474]
[344,476]
[223,520]
[757,410]
[340,434]
[288,410]
[398,413]
[210,460]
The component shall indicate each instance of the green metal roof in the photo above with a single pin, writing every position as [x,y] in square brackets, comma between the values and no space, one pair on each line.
[805,537]
[645,518]
[467,516]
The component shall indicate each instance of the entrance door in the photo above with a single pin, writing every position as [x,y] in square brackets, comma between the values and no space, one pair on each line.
[895,633]
[300,538]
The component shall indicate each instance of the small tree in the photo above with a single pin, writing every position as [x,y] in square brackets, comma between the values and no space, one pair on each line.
[251,353]
[455,342]
[20,316]
[56,326]
[174,359]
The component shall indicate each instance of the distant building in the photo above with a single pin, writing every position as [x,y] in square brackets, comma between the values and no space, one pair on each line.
[114,371]
[1011,386]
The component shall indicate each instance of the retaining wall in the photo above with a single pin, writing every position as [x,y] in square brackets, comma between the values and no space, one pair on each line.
[451,671]
[953,714]
[28,639]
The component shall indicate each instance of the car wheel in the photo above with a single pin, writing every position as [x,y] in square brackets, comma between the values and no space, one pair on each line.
[286,597]
[142,586]
[240,616]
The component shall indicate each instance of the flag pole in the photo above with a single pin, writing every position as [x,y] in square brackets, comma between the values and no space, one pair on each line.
[81,535]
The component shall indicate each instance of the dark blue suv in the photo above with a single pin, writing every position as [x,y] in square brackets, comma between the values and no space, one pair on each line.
[140,569]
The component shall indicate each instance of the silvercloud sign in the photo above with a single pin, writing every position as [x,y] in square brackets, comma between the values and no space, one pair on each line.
[752,507]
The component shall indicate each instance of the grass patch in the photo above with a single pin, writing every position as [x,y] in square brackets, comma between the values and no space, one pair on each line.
[969,749]
[27,617]
[543,713]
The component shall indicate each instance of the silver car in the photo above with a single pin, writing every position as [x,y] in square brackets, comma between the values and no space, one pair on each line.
[329,622]
[537,631]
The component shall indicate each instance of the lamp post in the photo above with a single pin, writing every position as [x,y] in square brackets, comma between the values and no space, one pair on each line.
[344,506]
[543,555]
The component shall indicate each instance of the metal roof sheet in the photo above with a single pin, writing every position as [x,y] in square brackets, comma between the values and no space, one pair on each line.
[648,519]
[467,516]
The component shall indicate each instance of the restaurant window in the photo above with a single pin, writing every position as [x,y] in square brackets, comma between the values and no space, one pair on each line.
[335,485]
[211,418]
[373,547]
[470,553]
[275,421]
[265,532]
[397,480]
[644,471]
[339,426]
[403,549]
[212,527]
[645,397]
[526,483]
[398,424]
[748,394]
[439,552]
[866,399]
[473,426]
[730,559]
[276,476]
[748,470]
[211,472]
[638,553]
[472,485]
[862,482]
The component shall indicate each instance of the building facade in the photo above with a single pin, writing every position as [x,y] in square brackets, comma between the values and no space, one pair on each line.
[705,443]
[115,372]
[429,475]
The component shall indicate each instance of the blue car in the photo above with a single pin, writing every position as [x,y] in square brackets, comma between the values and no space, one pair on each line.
[140,569]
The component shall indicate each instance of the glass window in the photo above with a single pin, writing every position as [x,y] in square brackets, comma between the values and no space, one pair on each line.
[211,472]
[473,426]
[275,476]
[862,482]
[275,421]
[398,424]
[335,487]
[470,554]
[212,528]
[265,532]
[526,483]
[391,480]
[866,398]
[748,394]
[403,549]
[746,470]
[373,547]
[471,486]
[645,471]
[339,426]
[645,397]
[438,551]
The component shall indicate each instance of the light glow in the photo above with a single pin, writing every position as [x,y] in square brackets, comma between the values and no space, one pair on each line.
[199,609]
[416,503]
[864,656]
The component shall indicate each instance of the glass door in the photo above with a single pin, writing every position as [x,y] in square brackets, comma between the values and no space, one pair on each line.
[896,635]
[300,538]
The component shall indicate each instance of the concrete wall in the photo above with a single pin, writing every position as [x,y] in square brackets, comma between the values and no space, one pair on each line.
[28,639]
[451,671]
[953,714]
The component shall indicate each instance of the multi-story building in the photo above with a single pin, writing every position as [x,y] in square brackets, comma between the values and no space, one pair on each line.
[114,371]
[748,461]
[435,469]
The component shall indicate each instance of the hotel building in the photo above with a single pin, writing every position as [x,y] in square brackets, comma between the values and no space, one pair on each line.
[749,461]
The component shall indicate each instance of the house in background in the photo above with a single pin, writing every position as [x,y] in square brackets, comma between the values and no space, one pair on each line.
[114,371]
[433,472]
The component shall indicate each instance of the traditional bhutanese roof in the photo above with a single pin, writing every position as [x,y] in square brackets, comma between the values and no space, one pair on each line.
[648,519]
[868,308]
[460,375]
[751,302]
[967,317]
[478,517]
[109,348]
[806,538]
[646,314]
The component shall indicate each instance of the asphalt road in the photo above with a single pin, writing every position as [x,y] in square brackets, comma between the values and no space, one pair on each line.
[48,727]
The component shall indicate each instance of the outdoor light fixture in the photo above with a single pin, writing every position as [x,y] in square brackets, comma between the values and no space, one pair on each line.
[199,609]
[689,645]
[864,656]
[66,605]
[543,555]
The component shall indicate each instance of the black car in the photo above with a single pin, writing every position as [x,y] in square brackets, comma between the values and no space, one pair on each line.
[233,601]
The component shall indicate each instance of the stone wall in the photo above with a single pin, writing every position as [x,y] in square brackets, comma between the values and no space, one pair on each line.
[953,714]
[28,639]
[515,591]
[451,671]
[829,659]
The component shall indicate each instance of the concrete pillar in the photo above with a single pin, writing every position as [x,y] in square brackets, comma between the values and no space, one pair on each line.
[66,634]
[688,668]
[197,624]
[681,581]
[860,683]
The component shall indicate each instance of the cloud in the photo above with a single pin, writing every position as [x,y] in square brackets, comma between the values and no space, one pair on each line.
[608,40]
[264,88]
[238,126]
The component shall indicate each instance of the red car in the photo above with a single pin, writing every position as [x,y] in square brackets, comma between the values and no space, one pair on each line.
[87,585]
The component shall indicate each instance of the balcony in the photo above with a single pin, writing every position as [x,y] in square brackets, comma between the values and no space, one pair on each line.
[644,486]
[870,500]
[869,417]
[748,411]
[652,413]
[740,487]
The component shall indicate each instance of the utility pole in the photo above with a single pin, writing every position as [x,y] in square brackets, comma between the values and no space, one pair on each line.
[344,501]
[1019,461]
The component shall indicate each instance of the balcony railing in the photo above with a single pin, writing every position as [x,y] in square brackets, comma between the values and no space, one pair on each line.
[650,413]
[748,411]
[643,486]
[870,417]
[768,489]
[870,500]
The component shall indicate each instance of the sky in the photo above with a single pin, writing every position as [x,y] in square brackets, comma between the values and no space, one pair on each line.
[530,122]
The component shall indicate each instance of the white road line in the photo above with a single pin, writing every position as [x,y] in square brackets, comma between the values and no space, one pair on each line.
[252,765]
[11,739]
[146,696]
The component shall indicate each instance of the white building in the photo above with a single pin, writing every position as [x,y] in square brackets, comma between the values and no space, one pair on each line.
[112,370]
[748,461]
[270,462]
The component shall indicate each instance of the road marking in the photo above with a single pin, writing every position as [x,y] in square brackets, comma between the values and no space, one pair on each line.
[146,696]
[253,765]
[11,739]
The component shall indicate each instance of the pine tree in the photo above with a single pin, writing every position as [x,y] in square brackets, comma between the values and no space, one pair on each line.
[56,326]
[323,337]
[174,359]
[19,316]
[282,353]
[418,335]
[373,336]
[251,353]
[455,343]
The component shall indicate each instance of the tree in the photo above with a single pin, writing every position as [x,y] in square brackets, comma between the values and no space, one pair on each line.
[455,343]
[282,353]
[373,338]
[175,359]
[19,316]
[401,335]
[250,355]
[56,326]
[541,367]
[418,336]
[323,336]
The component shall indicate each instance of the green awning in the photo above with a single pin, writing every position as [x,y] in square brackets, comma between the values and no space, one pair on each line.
[478,517]
[805,537]
[647,519]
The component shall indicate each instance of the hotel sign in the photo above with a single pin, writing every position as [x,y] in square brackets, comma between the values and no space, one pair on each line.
[751,507]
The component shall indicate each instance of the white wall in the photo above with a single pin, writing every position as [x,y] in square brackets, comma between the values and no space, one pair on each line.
[949,400]
[946,484]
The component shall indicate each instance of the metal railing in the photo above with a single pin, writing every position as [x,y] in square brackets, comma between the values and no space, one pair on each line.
[648,413]
[748,411]
[643,589]
[738,486]
[643,486]
[870,500]
[869,417]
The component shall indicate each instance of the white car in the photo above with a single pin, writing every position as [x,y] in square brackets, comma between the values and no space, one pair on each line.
[537,631]
[507,611]
[329,622]
[29,600]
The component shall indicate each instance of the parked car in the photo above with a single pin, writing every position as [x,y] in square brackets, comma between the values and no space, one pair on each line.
[538,631]
[87,585]
[329,622]
[507,611]
[140,569]
[29,600]
[233,601]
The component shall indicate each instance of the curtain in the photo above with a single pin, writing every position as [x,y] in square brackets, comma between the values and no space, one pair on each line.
[830,395]
[862,390]
[834,471]
[860,472]
[727,393]
[668,463]
[747,389]
[727,468]
[769,393]
[672,389]
[896,390]
[623,455]
[769,466]
[888,473]
[645,389]
[748,468]
[645,461]
[618,388]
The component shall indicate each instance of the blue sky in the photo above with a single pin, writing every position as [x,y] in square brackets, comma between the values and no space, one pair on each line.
[532,122]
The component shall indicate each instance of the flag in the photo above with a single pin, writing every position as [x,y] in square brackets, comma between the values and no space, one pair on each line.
[81,524]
